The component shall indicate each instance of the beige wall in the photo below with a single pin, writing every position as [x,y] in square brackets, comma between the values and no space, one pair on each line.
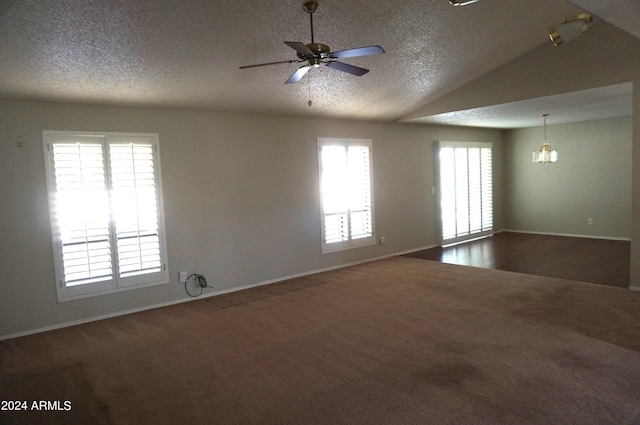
[602,56]
[240,193]
[241,190]
[592,179]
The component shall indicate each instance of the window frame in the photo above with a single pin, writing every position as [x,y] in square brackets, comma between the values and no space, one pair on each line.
[350,242]
[116,282]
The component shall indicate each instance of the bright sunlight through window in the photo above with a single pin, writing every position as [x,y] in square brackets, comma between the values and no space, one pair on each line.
[346,193]
[466,190]
[106,211]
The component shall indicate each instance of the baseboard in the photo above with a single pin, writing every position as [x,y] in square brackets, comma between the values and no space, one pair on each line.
[572,235]
[410,251]
[205,295]
[634,288]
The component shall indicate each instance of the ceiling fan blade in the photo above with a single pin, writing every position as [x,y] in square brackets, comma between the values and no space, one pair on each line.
[358,51]
[350,69]
[297,76]
[268,63]
[301,48]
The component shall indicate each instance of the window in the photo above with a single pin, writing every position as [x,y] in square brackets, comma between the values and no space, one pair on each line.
[466,190]
[346,193]
[105,204]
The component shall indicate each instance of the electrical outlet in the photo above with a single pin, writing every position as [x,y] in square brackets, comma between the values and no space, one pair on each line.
[383,240]
[183,277]
[590,221]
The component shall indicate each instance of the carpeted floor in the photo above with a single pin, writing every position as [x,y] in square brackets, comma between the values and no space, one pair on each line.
[397,341]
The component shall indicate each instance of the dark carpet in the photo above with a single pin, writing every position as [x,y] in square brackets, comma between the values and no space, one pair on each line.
[397,341]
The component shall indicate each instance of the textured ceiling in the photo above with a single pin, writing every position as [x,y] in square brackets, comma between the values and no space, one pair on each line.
[187,53]
[579,106]
[621,13]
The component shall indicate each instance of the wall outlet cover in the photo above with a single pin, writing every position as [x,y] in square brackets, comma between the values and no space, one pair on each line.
[183,277]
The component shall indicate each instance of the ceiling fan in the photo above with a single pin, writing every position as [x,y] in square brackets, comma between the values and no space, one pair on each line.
[316,54]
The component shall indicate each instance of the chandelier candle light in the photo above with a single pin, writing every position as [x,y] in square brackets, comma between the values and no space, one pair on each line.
[545,155]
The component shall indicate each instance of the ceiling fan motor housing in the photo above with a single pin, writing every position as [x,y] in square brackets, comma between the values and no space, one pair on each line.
[310,6]
[319,50]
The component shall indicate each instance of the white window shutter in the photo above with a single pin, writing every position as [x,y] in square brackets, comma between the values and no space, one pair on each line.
[83,226]
[361,225]
[466,194]
[333,164]
[105,200]
[487,189]
[134,205]
[346,193]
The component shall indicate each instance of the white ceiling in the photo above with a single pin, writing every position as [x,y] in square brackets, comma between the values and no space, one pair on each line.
[621,13]
[579,106]
[187,53]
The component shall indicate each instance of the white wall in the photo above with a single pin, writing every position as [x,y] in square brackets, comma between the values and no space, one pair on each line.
[592,179]
[240,193]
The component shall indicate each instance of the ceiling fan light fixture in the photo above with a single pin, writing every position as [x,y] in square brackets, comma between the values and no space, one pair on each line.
[318,54]
[570,29]
[462,2]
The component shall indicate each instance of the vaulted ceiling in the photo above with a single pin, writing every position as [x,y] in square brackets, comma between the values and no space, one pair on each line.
[188,53]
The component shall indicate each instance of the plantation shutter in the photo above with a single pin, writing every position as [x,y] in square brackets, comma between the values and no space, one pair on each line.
[360,204]
[106,211]
[466,190]
[346,193]
[134,204]
[83,226]
[335,202]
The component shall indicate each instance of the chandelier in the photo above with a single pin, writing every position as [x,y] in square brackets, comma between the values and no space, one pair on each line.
[545,155]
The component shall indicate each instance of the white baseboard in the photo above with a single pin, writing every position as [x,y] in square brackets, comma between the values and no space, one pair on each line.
[263,283]
[610,238]
[204,295]
[410,251]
